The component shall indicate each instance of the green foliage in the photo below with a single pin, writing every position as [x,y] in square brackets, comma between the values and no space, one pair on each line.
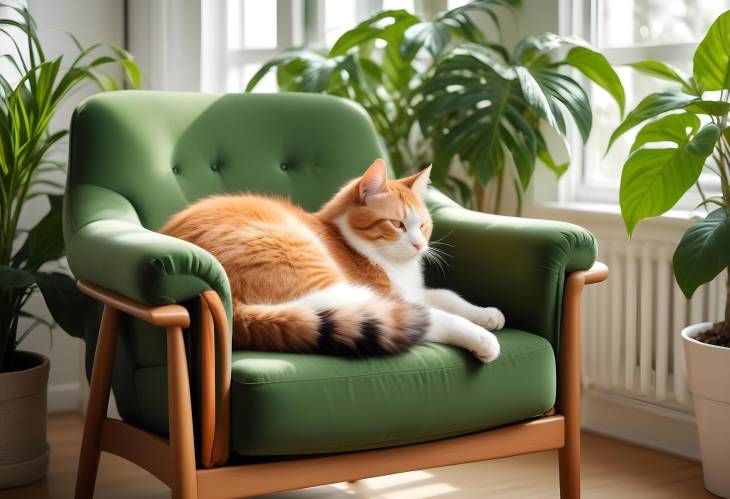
[29,98]
[655,176]
[441,89]
[703,251]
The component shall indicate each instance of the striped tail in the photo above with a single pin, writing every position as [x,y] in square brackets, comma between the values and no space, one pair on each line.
[339,320]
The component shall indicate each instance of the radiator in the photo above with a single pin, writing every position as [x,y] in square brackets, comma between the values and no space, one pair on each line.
[631,342]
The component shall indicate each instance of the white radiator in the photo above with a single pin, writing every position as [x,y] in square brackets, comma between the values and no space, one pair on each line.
[631,343]
[634,384]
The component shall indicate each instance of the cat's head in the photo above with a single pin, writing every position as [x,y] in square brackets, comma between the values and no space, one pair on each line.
[388,217]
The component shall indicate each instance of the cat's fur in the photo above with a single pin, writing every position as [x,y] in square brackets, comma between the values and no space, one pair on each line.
[346,280]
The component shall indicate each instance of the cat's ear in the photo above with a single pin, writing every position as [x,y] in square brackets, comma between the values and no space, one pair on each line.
[419,182]
[373,180]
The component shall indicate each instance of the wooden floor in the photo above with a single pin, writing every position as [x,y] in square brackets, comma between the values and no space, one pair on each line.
[611,469]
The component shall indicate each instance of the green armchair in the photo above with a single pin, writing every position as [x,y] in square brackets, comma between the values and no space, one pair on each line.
[210,422]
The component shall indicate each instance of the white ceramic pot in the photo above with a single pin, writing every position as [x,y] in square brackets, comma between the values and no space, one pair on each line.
[708,373]
[23,445]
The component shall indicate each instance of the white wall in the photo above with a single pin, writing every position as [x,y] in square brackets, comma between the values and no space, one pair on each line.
[91,22]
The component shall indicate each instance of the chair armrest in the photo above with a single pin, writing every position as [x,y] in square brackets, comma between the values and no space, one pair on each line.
[516,264]
[107,245]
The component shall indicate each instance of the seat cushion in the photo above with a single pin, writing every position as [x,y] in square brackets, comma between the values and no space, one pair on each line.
[305,404]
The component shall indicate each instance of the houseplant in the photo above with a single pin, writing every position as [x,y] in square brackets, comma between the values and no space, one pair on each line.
[443,88]
[30,95]
[693,118]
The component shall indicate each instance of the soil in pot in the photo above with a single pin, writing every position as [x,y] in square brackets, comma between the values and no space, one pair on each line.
[718,335]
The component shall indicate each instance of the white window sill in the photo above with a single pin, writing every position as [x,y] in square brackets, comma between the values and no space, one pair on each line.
[593,214]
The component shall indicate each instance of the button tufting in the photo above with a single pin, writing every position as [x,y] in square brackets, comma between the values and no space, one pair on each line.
[175,170]
[284,167]
[215,167]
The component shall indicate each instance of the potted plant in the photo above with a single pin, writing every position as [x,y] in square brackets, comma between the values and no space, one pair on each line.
[693,118]
[441,88]
[29,97]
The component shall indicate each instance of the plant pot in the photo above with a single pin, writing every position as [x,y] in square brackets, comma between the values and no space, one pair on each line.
[708,373]
[23,445]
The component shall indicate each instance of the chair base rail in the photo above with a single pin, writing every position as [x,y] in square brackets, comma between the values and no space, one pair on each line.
[153,454]
[545,433]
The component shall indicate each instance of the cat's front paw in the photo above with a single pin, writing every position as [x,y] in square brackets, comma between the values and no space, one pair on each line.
[489,318]
[488,348]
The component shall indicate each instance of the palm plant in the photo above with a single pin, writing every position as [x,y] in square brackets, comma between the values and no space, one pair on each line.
[687,133]
[442,89]
[31,94]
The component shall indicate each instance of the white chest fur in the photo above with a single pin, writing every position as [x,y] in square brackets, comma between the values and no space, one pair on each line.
[406,279]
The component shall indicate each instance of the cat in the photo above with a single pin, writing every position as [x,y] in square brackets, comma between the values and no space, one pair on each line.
[346,280]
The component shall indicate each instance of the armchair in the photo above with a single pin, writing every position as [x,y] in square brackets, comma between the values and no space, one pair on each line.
[210,422]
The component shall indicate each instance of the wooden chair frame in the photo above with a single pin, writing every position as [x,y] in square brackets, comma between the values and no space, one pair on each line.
[173,461]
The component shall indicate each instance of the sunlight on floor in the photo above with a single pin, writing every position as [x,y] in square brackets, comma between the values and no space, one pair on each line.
[411,485]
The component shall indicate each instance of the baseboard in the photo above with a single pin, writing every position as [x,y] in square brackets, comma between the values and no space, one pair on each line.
[640,423]
[64,397]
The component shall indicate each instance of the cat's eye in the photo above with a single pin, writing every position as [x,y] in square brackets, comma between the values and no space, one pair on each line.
[398,224]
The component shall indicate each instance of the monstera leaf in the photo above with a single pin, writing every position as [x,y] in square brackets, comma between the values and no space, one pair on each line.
[485,108]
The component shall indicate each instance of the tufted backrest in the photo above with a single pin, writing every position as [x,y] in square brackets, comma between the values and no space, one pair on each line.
[136,158]
[162,151]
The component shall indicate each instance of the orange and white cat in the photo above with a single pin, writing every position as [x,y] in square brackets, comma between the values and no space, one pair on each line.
[346,280]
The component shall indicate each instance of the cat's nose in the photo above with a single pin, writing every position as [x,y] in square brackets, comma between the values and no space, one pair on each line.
[418,246]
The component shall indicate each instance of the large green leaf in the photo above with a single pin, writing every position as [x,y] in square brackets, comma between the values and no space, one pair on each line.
[534,95]
[438,34]
[653,180]
[11,278]
[567,92]
[710,107]
[703,252]
[470,96]
[670,128]
[659,69]
[307,58]
[711,62]
[597,68]
[67,304]
[45,240]
[652,105]
[387,25]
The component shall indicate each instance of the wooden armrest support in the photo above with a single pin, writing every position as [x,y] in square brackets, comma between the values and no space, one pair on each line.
[214,421]
[162,315]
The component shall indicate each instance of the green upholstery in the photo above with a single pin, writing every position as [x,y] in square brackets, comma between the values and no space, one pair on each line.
[303,404]
[136,158]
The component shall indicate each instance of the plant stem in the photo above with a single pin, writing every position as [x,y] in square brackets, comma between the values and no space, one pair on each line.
[727,302]
[479,194]
[498,195]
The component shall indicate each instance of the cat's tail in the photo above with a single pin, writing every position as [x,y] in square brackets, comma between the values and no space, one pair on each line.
[338,320]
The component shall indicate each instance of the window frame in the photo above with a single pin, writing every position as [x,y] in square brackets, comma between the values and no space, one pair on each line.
[580,18]
[290,32]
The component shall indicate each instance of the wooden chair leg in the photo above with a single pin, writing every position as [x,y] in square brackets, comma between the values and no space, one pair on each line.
[569,462]
[569,377]
[98,402]
[182,442]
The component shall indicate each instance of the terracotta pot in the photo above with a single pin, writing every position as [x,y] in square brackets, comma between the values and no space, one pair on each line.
[708,376]
[23,445]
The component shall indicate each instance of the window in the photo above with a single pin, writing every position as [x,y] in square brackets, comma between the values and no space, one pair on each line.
[629,31]
[240,35]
